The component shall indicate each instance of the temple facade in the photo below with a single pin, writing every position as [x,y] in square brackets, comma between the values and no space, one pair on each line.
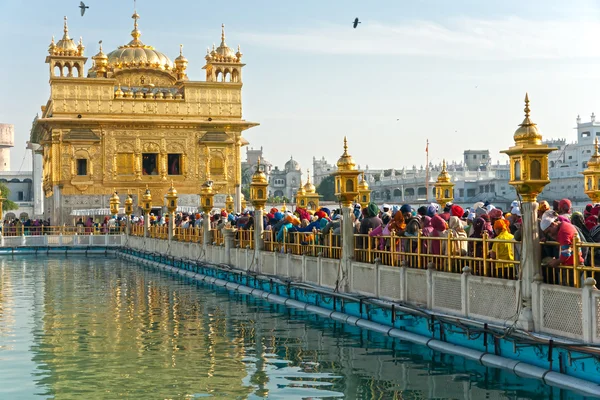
[136,120]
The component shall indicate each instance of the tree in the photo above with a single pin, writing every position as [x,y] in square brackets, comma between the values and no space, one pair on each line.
[7,205]
[327,189]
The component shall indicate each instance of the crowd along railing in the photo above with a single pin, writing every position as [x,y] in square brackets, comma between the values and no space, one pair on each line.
[313,243]
[23,230]
[572,271]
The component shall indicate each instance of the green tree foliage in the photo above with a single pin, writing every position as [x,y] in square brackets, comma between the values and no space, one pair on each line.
[7,205]
[326,189]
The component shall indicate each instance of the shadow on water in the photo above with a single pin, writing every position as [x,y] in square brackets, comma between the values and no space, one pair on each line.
[106,328]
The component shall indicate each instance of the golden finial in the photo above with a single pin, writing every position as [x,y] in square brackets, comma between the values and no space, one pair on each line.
[66,28]
[526,105]
[596,145]
[527,131]
[345,146]
[258,163]
[181,50]
[135,33]
[307,175]
[100,43]
[443,165]
[222,34]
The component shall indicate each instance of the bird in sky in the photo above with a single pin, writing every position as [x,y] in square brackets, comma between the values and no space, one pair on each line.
[356,22]
[83,7]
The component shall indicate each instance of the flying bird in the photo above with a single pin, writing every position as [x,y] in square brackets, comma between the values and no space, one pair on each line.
[83,7]
[354,24]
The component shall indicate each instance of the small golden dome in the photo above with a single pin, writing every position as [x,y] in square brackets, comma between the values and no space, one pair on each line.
[363,185]
[301,191]
[115,197]
[444,176]
[224,52]
[119,93]
[65,46]
[309,188]
[346,163]
[136,54]
[147,195]
[181,59]
[527,133]
[594,162]
[172,191]
[129,200]
[259,176]
[229,199]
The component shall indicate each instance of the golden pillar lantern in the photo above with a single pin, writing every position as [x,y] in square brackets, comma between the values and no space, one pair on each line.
[258,188]
[114,202]
[311,195]
[301,201]
[229,204]
[591,176]
[346,178]
[283,207]
[364,193]
[147,201]
[244,203]
[172,199]
[129,205]
[207,196]
[528,159]
[444,188]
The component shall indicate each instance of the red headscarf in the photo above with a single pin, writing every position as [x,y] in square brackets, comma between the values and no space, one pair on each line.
[457,211]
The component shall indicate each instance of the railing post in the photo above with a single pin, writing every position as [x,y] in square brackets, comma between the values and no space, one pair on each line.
[588,309]
[228,236]
[530,259]
[464,290]
[576,248]
[449,252]
[484,253]
[347,249]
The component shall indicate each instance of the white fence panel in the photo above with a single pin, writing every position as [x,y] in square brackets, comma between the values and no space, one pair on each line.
[312,270]
[329,272]
[416,286]
[364,279]
[561,311]
[447,292]
[295,267]
[282,264]
[492,299]
[390,283]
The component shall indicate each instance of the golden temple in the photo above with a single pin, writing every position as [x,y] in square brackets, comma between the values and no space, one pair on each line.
[136,120]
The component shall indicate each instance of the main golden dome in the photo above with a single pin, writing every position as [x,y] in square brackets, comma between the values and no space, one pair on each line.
[136,54]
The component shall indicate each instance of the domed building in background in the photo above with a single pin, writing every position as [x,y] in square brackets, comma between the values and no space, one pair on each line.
[136,120]
[282,182]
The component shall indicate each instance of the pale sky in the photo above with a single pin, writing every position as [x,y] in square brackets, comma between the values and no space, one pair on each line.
[454,72]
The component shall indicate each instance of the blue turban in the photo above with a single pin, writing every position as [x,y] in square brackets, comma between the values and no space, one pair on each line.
[395,209]
[406,208]
[278,216]
[326,211]
[431,211]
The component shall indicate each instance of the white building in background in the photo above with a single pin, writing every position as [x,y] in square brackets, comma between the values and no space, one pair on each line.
[282,182]
[20,183]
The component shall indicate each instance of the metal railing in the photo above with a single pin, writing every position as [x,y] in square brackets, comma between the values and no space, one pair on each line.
[244,238]
[313,243]
[22,230]
[577,272]
[193,235]
[445,254]
[217,237]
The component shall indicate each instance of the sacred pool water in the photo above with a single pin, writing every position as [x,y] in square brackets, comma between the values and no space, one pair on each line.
[104,328]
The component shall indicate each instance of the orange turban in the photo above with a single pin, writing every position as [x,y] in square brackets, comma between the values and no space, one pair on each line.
[501,224]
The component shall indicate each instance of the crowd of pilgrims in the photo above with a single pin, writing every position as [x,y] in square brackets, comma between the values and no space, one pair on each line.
[557,223]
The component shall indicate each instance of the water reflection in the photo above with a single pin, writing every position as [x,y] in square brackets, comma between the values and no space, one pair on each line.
[107,329]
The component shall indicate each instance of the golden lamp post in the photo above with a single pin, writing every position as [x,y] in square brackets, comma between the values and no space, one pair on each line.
[207,202]
[364,193]
[591,175]
[258,197]
[114,202]
[444,188]
[128,211]
[311,195]
[229,204]
[301,200]
[346,189]
[147,207]
[346,178]
[171,208]
[528,175]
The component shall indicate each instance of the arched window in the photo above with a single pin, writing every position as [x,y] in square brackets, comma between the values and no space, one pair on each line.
[349,185]
[397,192]
[422,191]
[235,76]
[536,169]
[409,192]
[57,70]
[517,170]
[227,77]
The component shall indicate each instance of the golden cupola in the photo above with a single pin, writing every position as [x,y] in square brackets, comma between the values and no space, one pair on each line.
[65,46]
[346,162]
[301,190]
[100,66]
[223,64]
[592,175]
[309,188]
[346,178]
[528,159]
[364,193]
[181,65]
[444,188]
[66,58]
